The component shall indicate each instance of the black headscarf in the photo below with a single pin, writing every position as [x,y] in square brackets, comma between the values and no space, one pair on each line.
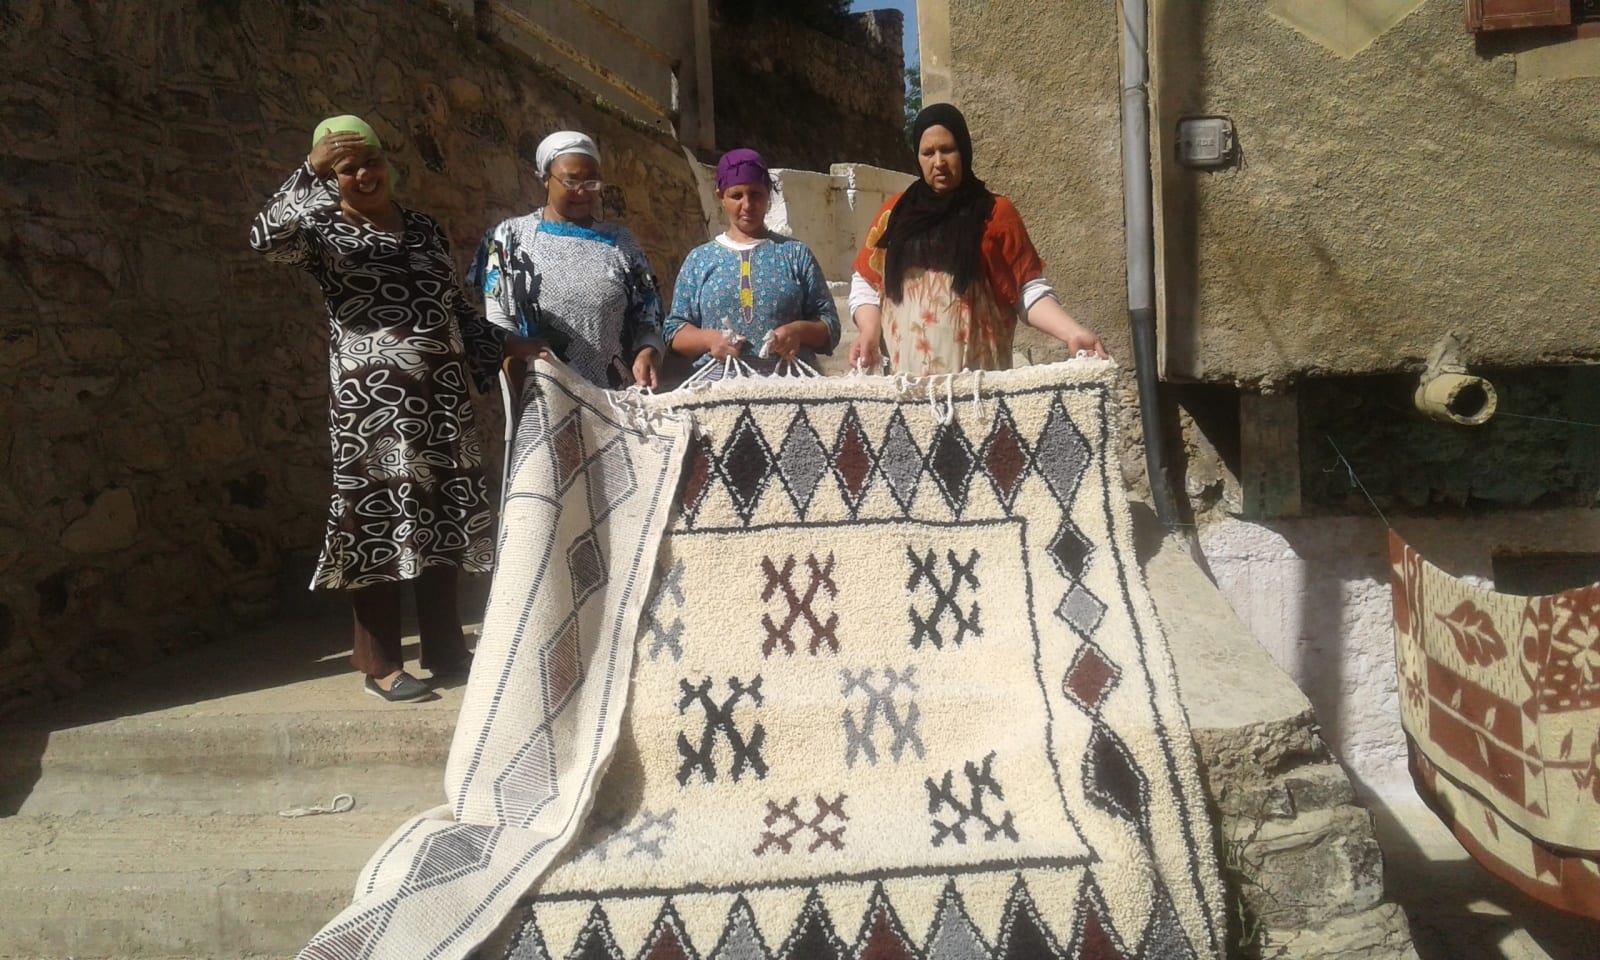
[933,231]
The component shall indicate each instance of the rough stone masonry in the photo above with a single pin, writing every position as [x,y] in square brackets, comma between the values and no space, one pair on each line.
[163,390]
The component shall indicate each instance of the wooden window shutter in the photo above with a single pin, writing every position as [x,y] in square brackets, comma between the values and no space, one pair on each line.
[1486,15]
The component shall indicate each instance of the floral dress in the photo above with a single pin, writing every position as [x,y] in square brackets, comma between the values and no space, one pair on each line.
[933,330]
[408,482]
[752,289]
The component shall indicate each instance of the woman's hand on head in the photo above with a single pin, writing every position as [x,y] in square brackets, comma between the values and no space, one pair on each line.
[328,151]
[644,368]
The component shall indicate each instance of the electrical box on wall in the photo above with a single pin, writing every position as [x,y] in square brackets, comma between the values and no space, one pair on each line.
[1206,143]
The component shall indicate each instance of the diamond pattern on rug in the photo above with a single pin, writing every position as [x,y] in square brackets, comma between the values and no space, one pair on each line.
[698,473]
[1070,550]
[882,937]
[852,461]
[588,567]
[1061,455]
[741,938]
[951,462]
[1112,781]
[1090,678]
[1081,610]
[611,479]
[523,788]
[563,666]
[746,465]
[900,461]
[451,853]
[1023,933]
[1093,936]
[595,941]
[814,937]
[803,461]
[668,940]
[1004,457]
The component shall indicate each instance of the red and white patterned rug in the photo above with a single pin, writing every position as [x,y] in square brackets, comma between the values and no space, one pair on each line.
[1500,698]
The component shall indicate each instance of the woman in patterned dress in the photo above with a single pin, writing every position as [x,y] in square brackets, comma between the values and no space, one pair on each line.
[561,280]
[750,287]
[948,267]
[409,499]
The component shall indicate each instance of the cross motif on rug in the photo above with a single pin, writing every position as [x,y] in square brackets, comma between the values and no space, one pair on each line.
[719,723]
[980,784]
[931,625]
[799,607]
[662,637]
[783,839]
[860,735]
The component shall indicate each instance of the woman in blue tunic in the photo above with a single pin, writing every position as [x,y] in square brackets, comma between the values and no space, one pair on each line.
[750,288]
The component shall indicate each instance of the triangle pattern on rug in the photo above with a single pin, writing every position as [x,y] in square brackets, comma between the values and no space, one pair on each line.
[741,939]
[814,937]
[1093,937]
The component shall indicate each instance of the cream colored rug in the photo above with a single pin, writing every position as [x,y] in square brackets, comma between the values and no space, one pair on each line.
[898,690]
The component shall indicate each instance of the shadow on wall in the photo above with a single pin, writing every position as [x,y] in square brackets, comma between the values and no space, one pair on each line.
[164,389]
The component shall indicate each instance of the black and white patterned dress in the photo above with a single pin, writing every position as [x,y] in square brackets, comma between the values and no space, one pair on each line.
[408,482]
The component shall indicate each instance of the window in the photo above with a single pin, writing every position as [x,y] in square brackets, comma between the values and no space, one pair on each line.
[1487,16]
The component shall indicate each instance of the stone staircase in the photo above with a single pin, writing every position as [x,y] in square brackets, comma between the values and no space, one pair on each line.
[144,821]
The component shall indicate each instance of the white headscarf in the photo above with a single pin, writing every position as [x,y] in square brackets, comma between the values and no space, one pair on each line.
[561,143]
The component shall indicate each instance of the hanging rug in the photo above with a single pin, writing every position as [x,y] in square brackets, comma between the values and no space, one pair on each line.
[893,688]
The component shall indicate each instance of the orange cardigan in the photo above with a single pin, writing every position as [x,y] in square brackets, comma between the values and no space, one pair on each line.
[1009,259]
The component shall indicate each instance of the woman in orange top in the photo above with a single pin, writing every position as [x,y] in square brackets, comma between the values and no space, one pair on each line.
[947,268]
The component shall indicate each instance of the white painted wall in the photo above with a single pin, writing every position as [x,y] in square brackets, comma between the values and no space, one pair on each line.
[1315,593]
[829,212]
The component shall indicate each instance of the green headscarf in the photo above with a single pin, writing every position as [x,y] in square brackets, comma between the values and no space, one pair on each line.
[352,124]
[347,124]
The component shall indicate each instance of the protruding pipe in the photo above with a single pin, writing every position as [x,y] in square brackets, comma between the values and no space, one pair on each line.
[1456,398]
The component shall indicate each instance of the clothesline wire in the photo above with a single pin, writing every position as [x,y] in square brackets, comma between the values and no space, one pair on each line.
[1524,416]
[1355,481]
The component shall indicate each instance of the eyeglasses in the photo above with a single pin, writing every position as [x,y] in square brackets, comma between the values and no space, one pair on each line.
[589,186]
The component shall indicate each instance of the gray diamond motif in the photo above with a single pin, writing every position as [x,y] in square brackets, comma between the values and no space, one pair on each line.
[528,781]
[1081,610]
[611,479]
[451,853]
[900,461]
[587,568]
[1061,455]
[802,461]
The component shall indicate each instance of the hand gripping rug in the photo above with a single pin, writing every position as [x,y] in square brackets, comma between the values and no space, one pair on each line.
[1500,699]
[895,690]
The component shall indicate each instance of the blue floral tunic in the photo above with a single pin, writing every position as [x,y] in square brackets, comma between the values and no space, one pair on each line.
[752,288]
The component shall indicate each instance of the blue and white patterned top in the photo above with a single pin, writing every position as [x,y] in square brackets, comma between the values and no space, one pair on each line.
[752,289]
[586,291]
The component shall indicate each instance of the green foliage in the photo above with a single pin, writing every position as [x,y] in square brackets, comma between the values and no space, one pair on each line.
[913,100]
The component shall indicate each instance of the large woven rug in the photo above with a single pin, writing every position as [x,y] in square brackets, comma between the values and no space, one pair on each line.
[1500,699]
[895,690]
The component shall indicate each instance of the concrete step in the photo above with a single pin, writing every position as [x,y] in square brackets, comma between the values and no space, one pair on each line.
[177,886]
[227,730]
[228,764]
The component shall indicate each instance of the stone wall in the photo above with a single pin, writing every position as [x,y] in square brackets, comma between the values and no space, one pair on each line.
[805,99]
[163,389]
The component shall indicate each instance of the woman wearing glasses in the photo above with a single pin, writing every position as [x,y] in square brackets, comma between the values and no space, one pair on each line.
[560,280]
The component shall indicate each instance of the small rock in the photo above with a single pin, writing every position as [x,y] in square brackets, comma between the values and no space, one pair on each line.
[112,523]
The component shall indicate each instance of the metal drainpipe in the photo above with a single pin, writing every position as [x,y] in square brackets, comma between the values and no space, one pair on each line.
[1139,221]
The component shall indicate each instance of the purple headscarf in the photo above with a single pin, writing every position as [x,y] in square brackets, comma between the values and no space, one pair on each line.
[740,168]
